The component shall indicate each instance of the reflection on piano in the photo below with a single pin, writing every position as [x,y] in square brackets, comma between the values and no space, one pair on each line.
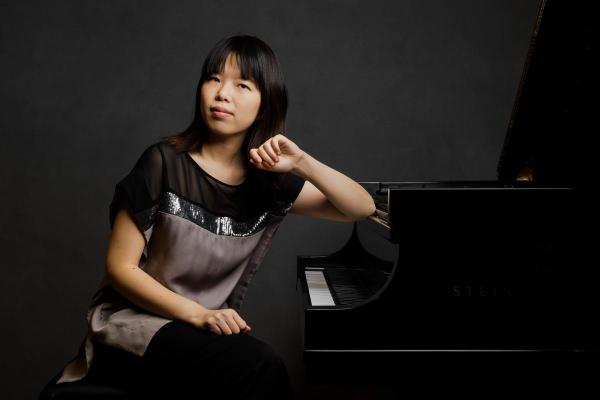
[470,267]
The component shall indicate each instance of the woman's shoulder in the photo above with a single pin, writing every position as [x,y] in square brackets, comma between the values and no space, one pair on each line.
[160,151]
[163,146]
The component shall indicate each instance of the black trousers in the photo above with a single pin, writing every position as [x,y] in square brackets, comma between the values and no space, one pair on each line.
[185,362]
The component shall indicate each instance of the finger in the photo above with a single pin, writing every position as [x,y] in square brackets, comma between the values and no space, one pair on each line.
[214,328]
[254,156]
[240,322]
[213,325]
[263,154]
[269,149]
[259,165]
[224,326]
[233,326]
[276,144]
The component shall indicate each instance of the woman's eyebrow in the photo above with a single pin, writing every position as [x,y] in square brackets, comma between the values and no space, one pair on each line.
[238,77]
[245,79]
[251,80]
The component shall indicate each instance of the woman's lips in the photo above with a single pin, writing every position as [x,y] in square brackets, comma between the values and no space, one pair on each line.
[220,114]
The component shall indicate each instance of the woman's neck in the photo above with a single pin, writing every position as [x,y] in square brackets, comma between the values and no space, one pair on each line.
[223,151]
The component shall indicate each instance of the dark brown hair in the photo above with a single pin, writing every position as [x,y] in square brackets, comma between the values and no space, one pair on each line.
[256,61]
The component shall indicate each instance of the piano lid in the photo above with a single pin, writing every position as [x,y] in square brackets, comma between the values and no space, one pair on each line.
[553,124]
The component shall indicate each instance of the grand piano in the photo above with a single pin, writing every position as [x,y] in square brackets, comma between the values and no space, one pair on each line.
[446,269]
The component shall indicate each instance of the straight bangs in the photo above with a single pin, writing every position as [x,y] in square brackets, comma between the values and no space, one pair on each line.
[249,68]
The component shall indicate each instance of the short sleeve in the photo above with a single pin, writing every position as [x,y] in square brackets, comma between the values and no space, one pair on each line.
[287,194]
[141,188]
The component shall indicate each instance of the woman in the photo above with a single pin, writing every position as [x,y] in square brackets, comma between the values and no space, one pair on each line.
[190,225]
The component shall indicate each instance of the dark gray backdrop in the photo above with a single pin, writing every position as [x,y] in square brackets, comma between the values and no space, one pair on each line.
[379,90]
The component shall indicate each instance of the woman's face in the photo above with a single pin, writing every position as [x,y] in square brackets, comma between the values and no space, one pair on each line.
[239,98]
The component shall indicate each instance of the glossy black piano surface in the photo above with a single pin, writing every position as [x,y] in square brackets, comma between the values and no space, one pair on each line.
[467,267]
[506,266]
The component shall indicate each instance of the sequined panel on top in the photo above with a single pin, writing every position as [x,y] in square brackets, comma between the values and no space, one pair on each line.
[145,218]
[220,225]
[282,208]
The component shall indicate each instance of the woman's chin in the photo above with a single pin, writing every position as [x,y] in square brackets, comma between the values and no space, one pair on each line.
[225,133]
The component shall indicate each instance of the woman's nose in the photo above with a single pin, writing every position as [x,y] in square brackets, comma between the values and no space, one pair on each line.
[223,93]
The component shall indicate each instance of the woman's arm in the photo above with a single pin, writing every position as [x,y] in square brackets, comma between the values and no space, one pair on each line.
[330,194]
[126,277]
[327,192]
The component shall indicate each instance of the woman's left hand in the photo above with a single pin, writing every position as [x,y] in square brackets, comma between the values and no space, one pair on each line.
[278,154]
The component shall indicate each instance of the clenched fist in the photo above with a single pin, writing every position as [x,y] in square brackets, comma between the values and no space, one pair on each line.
[277,154]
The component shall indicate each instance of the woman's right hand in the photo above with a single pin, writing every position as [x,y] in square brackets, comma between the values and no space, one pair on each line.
[222,322]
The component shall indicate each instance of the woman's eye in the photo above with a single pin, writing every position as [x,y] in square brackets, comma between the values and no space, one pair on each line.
[241,84]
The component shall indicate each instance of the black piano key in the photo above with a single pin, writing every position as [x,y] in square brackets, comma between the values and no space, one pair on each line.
[354,285]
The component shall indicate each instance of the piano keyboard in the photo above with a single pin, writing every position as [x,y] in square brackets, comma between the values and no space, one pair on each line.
[318,290]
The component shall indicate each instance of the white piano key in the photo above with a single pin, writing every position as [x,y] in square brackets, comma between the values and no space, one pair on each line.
[318,291]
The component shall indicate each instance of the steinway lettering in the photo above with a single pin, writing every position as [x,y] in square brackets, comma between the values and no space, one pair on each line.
[480,291]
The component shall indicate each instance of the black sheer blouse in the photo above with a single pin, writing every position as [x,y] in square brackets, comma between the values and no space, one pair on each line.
[204,239]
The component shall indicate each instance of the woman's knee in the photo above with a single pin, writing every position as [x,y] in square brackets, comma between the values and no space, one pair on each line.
[269,356]
[188,351]
[259,352]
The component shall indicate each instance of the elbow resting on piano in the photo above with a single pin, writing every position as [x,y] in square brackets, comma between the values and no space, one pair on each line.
[329,194]
[370,210]
[326,210]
